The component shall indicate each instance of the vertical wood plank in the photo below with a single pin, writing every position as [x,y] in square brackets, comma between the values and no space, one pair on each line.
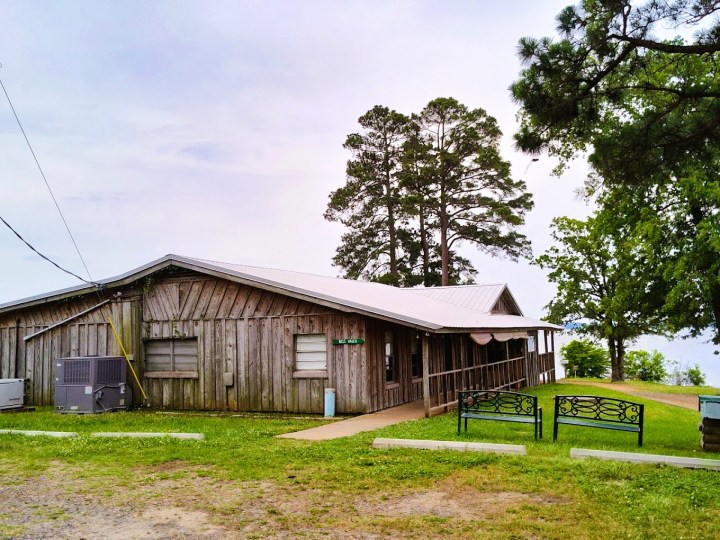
[291,394]
[209,365]
[265,373]
[5,353]
[219,361]
[243,371]
[277,365]
[231,362]
[202,372]
[253,365]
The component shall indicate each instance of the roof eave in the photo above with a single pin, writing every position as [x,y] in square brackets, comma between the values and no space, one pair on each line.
[215,271]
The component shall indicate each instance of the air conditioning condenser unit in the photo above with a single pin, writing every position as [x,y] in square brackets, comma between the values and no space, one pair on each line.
[91,384]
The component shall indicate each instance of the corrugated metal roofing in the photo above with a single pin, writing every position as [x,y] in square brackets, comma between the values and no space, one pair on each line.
[445,310]
[480,298]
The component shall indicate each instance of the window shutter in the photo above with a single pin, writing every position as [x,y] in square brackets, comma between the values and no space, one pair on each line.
[311,352]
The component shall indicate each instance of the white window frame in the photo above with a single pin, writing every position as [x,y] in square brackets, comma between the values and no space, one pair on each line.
[311,356]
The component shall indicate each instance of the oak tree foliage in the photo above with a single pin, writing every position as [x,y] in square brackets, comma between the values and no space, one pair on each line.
[635,86]
[599,286]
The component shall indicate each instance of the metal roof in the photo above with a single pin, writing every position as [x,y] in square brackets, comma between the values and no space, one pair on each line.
[480,298]
[463,308]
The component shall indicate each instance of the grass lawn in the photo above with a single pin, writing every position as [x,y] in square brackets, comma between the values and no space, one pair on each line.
[252,484]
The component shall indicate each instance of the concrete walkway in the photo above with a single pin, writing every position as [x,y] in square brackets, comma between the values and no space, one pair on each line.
[357,424]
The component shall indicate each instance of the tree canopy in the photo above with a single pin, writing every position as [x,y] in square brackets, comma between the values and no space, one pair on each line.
[369,204]
[599,286]
[644,106]
[610,67]
[418,187]
[584,359]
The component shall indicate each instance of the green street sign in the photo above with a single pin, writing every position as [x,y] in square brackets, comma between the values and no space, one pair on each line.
[348,341]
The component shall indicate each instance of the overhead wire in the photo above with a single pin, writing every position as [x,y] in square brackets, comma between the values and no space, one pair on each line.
[99,285]
[47,184]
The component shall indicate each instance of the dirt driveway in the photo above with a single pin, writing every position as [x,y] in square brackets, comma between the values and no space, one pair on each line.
[680,400]
[177,500]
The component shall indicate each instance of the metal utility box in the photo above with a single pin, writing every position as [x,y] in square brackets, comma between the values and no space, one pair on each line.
[91,384]
[12,393]
[709,407]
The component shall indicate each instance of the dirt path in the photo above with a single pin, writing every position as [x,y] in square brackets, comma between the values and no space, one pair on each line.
[175,501]
[680,400]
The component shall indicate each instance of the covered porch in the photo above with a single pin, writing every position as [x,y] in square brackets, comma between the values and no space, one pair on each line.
[484,360]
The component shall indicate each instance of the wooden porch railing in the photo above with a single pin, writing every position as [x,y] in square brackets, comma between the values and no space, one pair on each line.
[546,362]
[496,376]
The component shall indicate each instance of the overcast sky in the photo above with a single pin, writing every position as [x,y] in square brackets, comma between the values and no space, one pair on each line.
[215,129]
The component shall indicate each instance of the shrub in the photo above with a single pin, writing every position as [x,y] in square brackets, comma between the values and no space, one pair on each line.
[686,376]
[695,376]
[585,359]
[645,366]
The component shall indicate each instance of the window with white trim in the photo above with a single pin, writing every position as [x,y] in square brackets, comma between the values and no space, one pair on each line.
[311,354]
[415,359]
[390,371]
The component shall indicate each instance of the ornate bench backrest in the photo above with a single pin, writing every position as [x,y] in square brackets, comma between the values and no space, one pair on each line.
[497,402]
[599,408]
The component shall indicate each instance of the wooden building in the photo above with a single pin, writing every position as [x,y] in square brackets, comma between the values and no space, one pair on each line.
[205,335]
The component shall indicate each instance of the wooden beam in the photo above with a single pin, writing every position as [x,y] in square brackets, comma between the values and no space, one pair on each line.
[26,338]
[426,373]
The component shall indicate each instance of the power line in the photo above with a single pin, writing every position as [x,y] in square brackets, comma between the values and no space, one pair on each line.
[67,227]
[98,285]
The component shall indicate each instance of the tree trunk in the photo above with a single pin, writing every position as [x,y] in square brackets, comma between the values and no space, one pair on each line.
[425,249]
[392,233]
[392,238]
[445,252]
[616,347]
[620,360]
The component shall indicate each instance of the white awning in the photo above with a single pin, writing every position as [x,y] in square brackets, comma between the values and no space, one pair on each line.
[483,338]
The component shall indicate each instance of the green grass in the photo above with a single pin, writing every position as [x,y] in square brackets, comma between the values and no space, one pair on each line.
[346,485]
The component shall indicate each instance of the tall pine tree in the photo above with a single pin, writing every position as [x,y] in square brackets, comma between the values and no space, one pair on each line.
[369,204]
[417,188]
[472,195]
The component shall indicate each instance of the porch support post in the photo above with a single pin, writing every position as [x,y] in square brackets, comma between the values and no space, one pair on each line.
[426,373]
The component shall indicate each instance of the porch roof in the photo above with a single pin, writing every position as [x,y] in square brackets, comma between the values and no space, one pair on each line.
[458,309]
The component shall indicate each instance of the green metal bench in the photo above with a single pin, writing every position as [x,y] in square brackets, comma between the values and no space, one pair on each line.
[599,412]
[499,406]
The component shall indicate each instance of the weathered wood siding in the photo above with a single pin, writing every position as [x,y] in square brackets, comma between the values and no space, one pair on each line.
[246,349]
[405,388]
[246,337]
[89,334]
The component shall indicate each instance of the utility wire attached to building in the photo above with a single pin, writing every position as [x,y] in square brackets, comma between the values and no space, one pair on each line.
[47,184]
[98,285]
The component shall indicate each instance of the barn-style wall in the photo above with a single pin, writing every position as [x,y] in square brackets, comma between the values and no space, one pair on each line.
[404,389]
[90,334]
[246,357]
[246,348]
